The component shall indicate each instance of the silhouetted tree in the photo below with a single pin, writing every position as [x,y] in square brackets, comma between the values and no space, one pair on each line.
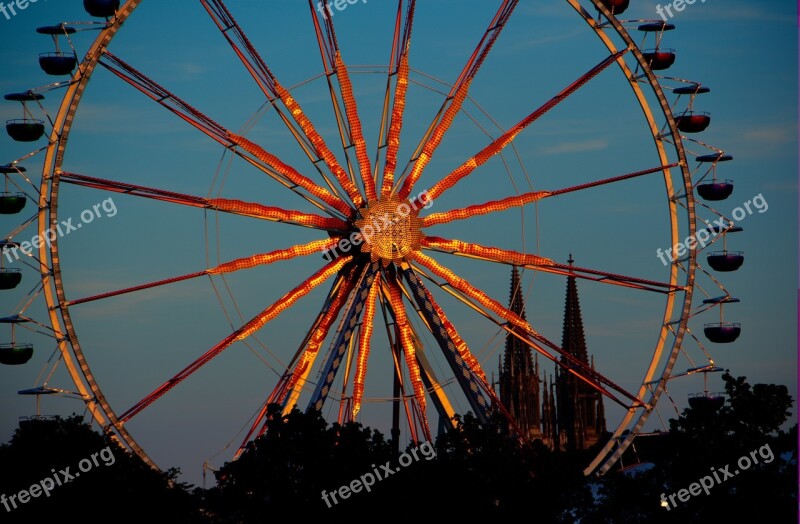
[107,482]
[702,443]
[478,470]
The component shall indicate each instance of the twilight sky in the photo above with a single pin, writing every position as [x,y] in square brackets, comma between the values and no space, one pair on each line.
[745,53]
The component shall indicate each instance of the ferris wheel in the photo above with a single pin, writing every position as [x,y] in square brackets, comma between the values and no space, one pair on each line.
[380,227]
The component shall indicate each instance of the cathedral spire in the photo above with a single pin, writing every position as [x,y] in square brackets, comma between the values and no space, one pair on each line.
[572,338]
[581,417]
[516,302]
[519,379]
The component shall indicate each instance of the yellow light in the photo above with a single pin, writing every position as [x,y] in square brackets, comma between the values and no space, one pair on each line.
[390,229]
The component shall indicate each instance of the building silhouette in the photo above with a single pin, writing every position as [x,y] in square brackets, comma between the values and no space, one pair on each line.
[565,413]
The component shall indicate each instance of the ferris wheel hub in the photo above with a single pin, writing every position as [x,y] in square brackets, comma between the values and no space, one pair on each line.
[390,228]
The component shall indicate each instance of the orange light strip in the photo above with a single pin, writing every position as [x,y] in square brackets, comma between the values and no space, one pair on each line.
[227,267]
[396,125]
[276,214]
[290,173]
[291,297]
[461,346]
[364,337]
[243,332]
[478,160]
[351,109]
[493,253]
[301,370]
[407,341]
[483,209]
[506,138]
[435,139]
[300,250]
[319,144]
[468,289]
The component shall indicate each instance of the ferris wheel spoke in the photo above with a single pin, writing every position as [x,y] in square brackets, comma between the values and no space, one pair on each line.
[399,59]
[262,259]
[350,130]
[232,206]
[302,130]
[508,137]
[264,161]
[343,337]
[530,197]
[295,375]
[455,99]
[465,366]
[468,289]
[256,323]
[364,337]
[409,350]
[291,174]
[542,264]
[356,130]
[536,342]
[307,136]
[314,340]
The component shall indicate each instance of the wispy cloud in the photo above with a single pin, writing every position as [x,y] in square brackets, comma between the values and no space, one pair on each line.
[582,146]
[763,140]
[776,134]
[730,11]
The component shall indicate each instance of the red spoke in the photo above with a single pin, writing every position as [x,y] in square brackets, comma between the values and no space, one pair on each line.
[310,248]
[399,58]
[455,98]
[302,130]
[290,173]
[508,137]
[495,254]
[331,61]
[395,127]
[356,130]
[269,164]
[468,289]
[364,336]
[494,206]
[567,361]
[320,331]
[461,346]
[236,207]
[271,312]
[544,265]
[486,208]
[341,288]
[466,355]
[409,350]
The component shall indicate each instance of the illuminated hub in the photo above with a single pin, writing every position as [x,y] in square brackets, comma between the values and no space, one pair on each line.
[390,229]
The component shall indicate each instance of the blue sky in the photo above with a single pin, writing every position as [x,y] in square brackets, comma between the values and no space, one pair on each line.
[744,53]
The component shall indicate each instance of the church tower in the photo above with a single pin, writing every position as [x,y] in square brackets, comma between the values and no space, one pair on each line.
[565,413]
[519,374]
[581,416]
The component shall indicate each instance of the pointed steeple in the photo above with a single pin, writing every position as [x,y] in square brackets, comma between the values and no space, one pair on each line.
[516,302]
[581,417]
[572,337]
[519,379]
